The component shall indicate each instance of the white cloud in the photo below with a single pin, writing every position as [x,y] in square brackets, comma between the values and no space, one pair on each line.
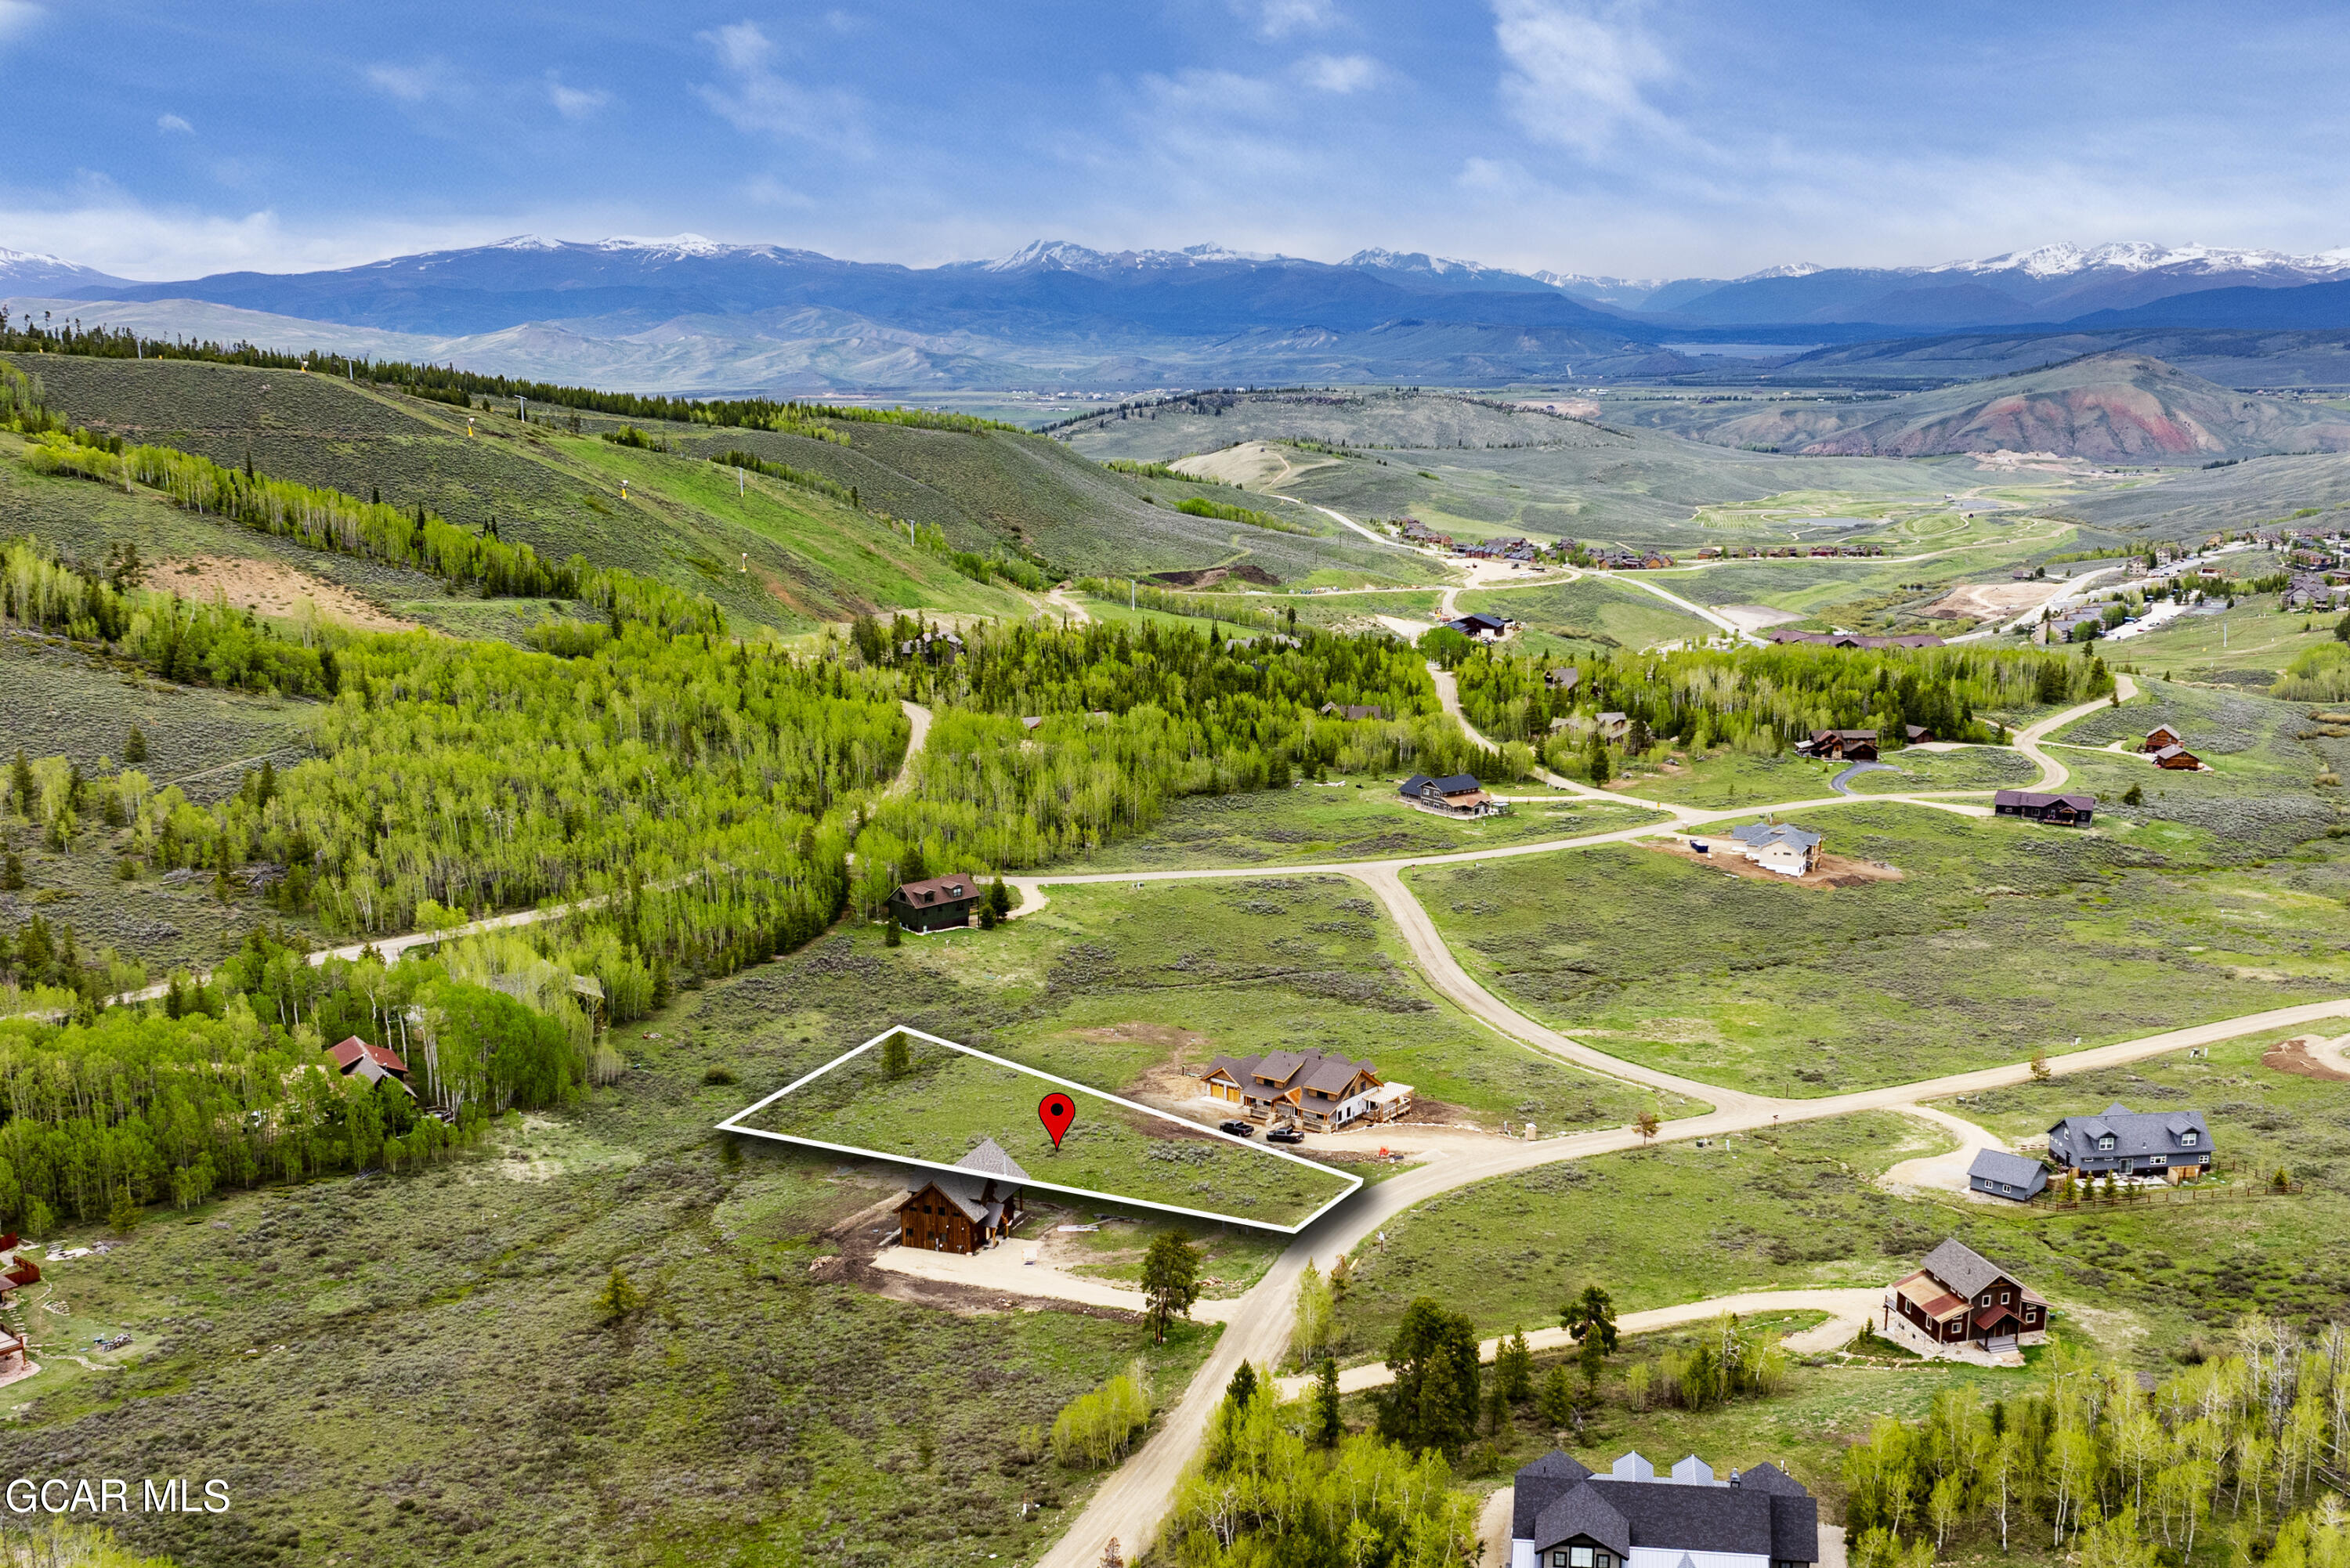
[172,122]
[1280,18]
[411,84]
[1578,69]
[1339,73]
[17,17]
[113,233]
[574,103]
[759,100]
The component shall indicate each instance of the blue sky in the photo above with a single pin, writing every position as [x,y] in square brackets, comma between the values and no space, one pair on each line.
[167,138]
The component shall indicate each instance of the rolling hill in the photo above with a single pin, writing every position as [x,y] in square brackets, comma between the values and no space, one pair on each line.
[768,551]
[2109,407]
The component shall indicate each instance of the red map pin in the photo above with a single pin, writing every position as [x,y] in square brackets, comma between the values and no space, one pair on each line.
[1056,1112]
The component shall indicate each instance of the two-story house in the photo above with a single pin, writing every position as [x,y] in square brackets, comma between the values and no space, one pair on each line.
[1316,1091]
[2119,1141]
[1958,1296]
[1565,1515]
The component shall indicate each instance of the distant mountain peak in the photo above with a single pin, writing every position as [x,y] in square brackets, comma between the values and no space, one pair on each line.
[2063,258]
[671,244]
[1785,269]
[524,243]
[1416,261]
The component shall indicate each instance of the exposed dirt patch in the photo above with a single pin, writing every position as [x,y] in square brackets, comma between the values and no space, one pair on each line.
[2294,1056]
[1985,601]
[1754,618]
[861,1236]
[1165,1079]
[270,588]
[1827,870]
[1208,576]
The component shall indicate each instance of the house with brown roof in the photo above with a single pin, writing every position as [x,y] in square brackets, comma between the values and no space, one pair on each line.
[1315,1090]
[1841,745]
[355,1058]
[1918,734]
[2178,758]
[936,903]
[2073,810]
[2161,736]
[1958,1298]
[966,1209]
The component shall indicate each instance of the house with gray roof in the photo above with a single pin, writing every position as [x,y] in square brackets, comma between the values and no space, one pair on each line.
[1316,1090]
[1459,794]
[1999,1173]
[1563,1515]
[1780,847]
[1958,1298]
[2119,1141]
[967,1209]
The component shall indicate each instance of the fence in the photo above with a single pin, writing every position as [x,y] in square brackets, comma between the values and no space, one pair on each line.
[2135,1196]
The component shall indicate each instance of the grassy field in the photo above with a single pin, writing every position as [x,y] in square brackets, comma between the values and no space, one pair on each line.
[2192,1269]
[1341,820]
[1591,609]
[2243,647]
[430,1347]
[1125,988]
[2261,796]
[948,1102]
[1797,990]
[1796,1207]
[1972,768]
[57,701]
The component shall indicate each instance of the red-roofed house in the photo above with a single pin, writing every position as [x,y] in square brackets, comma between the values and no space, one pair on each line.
[355,1058]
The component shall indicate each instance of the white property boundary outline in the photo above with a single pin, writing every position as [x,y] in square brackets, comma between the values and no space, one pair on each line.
[1353,1183]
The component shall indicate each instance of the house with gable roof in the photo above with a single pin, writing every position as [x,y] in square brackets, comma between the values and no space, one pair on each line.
[1780,847]
[1563,1515]
[1996,1173]
[1957,1298]
[355,1058]
[1316,1090]
[1458,795]
[968,1209]
[2119,1141]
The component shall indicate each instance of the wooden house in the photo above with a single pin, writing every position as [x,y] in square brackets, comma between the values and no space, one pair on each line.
[1354,712]
[1562,677]
[1958,1296]
[968,1209]
[936,903]
[2063,810]
[2178,758]
[1918,734]
[2161,736]
[1841,745]
[1309,1088]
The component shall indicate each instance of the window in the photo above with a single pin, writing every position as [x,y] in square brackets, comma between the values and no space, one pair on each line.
[2002,1298]
[1986,1299]
[2186,1140]
[1578,1557]
[2106,1141]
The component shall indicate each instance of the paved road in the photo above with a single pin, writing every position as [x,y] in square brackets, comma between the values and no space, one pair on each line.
[1841,784]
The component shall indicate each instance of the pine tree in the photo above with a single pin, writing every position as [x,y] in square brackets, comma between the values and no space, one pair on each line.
[1328,1426]
[134,750]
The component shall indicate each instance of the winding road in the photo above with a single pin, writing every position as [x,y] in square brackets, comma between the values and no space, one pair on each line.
[1132,1502]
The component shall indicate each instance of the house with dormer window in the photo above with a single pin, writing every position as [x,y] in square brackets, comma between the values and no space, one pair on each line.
[2117,1141]
[1563,1515]
[1957,1297]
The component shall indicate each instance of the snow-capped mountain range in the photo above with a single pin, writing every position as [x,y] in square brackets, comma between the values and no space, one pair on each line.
[1055,303]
